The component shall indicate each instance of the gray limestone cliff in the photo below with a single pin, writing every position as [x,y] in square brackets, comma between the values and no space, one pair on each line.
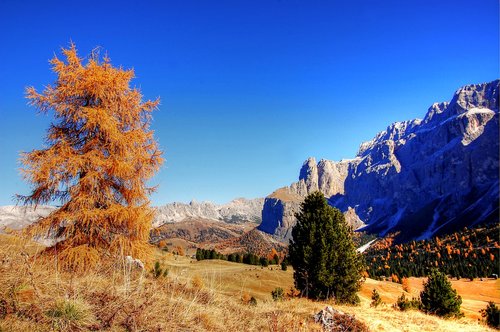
[418,177]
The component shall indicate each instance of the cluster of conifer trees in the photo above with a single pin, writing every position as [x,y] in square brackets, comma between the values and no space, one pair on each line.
[245,258]
[471,253]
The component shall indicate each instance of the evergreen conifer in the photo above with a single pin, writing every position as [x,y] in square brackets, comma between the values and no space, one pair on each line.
[323,254]
[438,297]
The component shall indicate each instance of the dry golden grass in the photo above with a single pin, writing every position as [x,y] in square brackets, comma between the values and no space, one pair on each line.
[285,195]
[195,296]
[475,294]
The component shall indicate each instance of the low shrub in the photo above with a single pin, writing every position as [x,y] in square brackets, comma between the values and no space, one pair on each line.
[158,271]
[491,315]
[278,294]
[376,299]
[344,322]
[406,284]
[70,315]
[404,304]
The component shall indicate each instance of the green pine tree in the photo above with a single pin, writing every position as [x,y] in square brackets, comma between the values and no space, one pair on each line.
[283,266]
[323,254]
[264,261]
[438,298]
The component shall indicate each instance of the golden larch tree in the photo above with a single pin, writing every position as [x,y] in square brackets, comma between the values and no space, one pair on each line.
[99,154]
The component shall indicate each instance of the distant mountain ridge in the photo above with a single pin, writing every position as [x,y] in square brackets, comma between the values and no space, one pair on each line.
[237,211]
[17,217]
[418,177]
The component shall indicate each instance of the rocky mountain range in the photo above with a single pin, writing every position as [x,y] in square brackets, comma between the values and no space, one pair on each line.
[418,178]
[17,217]
[237,211]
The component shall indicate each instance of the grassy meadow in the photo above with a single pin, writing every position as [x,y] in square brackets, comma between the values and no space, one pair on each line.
[209,295]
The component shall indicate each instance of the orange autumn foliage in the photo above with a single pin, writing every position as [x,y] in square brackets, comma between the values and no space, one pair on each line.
[180,250]
[271,254]
[406,284]
[100,153]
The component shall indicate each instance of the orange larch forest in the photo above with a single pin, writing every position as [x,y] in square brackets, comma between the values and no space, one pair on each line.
[100,153]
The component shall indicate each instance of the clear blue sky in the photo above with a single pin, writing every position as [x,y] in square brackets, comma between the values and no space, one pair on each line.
[249,89]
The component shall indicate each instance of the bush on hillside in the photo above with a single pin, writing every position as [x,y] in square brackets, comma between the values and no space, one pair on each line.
[337,321]
[406,284]
[345,322]
[70,315]
[376,299]
[278,294]
[404,304]
[158,271]
[491,314]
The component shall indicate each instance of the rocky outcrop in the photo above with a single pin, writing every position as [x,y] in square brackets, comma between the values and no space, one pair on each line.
[326,176]
[420,177]
[278,213]
[279,209]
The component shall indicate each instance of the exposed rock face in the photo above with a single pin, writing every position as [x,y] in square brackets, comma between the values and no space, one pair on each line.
[279,209]
[237,211]
[420,177]
[326,176]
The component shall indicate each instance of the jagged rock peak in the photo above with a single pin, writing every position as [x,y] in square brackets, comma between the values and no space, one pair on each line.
[326,176]
[484,95]
[395,132]
[308,169]
[435,110]
[420,177]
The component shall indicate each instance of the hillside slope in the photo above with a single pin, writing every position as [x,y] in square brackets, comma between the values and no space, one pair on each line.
[195,296]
